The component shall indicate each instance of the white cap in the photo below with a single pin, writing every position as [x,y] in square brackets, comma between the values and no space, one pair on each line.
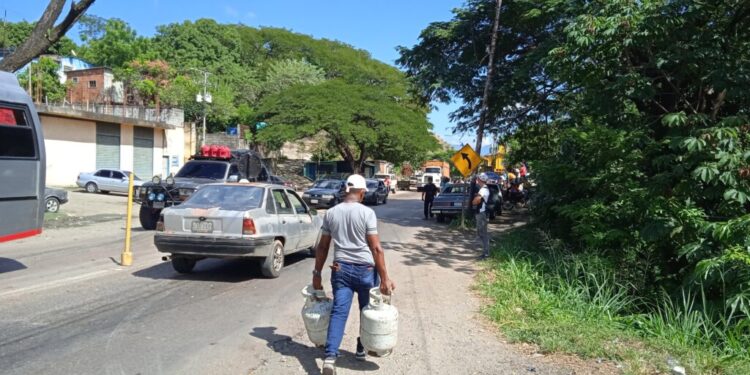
[356,181]
[483,177]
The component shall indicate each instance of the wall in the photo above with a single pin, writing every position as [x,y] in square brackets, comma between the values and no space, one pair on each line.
[80,92]
[175,139]
[71,148]
[126,148]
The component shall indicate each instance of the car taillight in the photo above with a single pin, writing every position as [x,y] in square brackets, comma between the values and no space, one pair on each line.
[160,224]
[248,226]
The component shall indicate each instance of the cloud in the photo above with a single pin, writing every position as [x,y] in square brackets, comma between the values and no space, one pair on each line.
[231,11]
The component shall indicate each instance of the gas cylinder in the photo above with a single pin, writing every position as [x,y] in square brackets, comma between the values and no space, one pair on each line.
[378,326]
[205,150]
[316,313]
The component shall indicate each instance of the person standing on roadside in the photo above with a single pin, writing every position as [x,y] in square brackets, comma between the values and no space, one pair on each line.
[480,202]
[429,192]
[358,264]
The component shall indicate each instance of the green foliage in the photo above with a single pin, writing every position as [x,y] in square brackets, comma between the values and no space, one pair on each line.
[45,84]
[113,43]
[361,121]
[284,74]
[13,34]
[543,293]
[634,117]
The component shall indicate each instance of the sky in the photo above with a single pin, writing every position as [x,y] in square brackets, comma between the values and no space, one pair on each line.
[377,26]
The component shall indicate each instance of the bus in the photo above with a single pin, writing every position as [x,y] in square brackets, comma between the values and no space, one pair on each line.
[22,163]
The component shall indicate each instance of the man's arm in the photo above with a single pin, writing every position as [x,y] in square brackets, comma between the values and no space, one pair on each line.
[321,254]
[386,284]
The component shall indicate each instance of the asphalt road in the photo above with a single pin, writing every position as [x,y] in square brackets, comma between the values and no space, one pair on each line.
[67,307]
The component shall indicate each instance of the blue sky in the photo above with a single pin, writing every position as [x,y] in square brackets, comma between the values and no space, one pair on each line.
[375,26]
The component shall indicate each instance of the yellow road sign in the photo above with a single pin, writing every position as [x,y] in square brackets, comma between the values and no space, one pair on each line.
[466,160]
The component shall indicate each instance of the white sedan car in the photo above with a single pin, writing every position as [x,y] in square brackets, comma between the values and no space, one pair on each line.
[238,220]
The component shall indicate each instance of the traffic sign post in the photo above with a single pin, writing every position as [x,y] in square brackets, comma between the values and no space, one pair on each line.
[466,161]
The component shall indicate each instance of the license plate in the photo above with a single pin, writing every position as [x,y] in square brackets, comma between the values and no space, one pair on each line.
[202,226]
[313,201]
[158,204]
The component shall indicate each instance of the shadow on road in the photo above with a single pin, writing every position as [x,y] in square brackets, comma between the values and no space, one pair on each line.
[10,265]
[305,354]
[215,270]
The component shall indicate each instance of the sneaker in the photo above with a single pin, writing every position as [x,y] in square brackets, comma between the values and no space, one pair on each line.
[483,257]
[360,354]
[329,366]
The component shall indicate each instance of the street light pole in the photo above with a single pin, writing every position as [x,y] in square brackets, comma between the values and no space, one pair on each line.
[205,98]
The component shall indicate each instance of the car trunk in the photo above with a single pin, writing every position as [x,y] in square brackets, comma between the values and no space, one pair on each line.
[202,221]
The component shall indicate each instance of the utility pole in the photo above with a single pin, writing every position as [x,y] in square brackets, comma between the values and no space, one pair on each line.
[204,98]
[488,83]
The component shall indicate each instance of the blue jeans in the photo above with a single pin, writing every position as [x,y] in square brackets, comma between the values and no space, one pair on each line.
[350,278]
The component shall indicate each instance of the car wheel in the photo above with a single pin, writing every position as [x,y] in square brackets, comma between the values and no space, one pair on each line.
[148,218]
[182,264]
[91,187]
[52,204]
[274,262]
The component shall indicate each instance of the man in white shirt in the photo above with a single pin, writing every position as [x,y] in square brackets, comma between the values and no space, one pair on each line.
[480,202]
[358,264]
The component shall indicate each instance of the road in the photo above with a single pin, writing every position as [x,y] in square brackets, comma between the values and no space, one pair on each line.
[67,307]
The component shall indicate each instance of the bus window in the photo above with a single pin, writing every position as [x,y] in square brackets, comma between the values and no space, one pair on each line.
[16,136]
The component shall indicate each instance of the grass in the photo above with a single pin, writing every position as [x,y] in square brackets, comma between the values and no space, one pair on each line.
[572,303]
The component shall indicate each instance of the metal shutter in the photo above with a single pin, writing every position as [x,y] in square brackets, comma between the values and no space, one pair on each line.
[107,145]
[143,152]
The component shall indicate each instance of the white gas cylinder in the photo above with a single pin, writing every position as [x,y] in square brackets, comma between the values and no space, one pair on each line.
[316,313]
[378,326]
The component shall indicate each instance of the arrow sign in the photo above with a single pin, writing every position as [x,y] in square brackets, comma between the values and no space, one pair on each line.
[466,160]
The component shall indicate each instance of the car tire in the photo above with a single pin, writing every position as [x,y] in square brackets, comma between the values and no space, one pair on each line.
[148,218]
[52,204]
[91,188]
[183,264]
[274,262]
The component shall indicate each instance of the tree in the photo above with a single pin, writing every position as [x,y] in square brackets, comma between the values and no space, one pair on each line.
[360,121]
[286,73]
[113,43]
[13,34]
[45,33]
[45,84]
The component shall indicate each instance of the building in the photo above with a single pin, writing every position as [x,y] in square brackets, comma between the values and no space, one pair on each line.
[84,138]
[93,85]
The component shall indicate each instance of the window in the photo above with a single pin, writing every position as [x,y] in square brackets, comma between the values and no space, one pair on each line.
[103,173]
[92,84]
[299,207]
[282,203]
[16,136]
[203,169]
[233,170]
[226,197]
[117,175]
[75,79]
[269,204]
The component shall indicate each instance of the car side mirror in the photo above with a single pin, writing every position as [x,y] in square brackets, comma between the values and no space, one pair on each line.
[233,178]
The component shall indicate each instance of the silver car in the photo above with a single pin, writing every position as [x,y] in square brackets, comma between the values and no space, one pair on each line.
[238,220]
[106,180]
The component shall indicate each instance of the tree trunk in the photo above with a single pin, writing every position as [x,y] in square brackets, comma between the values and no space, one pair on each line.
[45,33]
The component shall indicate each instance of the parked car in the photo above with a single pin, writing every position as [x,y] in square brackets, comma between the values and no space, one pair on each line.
[106,180]
[389,179]
[53,198]
[238,220]
[323,193]
[451,200]
[376,193]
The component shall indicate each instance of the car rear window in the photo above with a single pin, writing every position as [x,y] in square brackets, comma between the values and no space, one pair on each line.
[328,184]
[227,197]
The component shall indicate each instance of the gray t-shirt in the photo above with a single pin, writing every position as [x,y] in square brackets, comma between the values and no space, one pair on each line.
[348,224]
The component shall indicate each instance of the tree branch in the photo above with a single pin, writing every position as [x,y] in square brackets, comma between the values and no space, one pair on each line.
[45,33]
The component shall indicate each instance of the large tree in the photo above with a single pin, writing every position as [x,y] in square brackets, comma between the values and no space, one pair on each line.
[45,33]
[359,121]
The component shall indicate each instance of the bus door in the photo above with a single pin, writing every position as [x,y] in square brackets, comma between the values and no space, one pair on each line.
[22,163]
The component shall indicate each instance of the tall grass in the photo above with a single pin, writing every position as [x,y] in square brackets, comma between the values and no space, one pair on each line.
[574,303]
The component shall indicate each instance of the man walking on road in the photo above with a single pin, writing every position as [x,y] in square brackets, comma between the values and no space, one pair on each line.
[358,264]
[480,202]
[428,195]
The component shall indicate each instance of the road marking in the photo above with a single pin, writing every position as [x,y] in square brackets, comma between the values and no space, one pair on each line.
[54,283]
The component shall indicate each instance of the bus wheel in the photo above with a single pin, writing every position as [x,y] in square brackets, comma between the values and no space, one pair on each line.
[91,187]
